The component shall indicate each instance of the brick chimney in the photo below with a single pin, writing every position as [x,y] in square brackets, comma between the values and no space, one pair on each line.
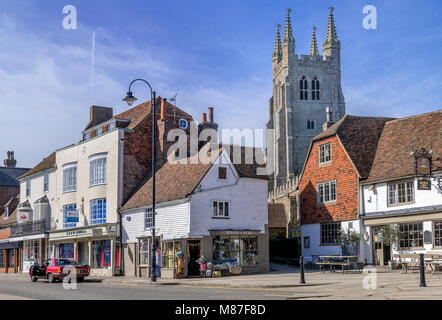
[329,122]
[209,129]
[98,115]
[10,162]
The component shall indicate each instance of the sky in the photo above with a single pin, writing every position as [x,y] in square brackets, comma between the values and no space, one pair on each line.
[210,53]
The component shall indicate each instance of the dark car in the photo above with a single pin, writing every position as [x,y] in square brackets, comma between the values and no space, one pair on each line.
[58,268]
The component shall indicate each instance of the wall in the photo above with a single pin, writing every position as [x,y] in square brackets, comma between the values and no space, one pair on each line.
[342,170]
[80,153]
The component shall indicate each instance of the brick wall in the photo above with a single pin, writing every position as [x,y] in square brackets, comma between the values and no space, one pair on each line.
[341,170]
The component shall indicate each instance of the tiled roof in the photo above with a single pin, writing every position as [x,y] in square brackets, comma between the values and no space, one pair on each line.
[8,176]
[45,164]
[277,217]
[399,138]
[359,137]
[176,181]
[12,219]
[141,111]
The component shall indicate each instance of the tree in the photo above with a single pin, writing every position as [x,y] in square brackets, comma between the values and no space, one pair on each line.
[390,235]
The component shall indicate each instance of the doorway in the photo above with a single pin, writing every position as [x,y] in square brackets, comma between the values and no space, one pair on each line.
[382,252]
[194,254]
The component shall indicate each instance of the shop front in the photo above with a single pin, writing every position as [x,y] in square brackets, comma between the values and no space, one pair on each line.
[9,256]
[97,246]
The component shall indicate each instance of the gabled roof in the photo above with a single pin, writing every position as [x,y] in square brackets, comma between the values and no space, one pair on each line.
[12,219]
[399,138]
[45,164]
[177,180]
[277,217]
[141,111]
[9,176]
[359,137]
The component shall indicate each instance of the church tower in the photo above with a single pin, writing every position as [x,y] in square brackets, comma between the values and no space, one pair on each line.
[304,86]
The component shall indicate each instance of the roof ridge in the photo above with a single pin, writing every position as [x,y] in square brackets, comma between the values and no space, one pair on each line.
[415,116]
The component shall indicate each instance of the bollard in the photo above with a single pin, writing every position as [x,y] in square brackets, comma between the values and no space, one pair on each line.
[422,270]
[302,270]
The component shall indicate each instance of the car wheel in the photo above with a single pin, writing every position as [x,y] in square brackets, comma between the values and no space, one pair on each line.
[80,279]
[34,279]
[51,278]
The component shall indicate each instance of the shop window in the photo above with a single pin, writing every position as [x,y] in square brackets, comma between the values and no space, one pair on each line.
[144,251]
[101,254]
[330,233]
[168,254]
[98,211]
[412,235]
[400,193]
[31,251]
[11,258]
[220,209]
[437,230]
[70,216]
[66,250]
[244,250]
[2,259]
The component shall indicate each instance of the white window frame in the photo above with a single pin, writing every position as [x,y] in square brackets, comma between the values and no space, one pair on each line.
[219,204]
[97,176]
[148,219]
[46,183]
[324,188]
[72,187]
[67,225]
[322,157]
[28,188]
[393,190]
[99,219]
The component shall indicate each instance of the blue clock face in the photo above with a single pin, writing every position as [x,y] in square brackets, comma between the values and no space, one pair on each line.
[183,124]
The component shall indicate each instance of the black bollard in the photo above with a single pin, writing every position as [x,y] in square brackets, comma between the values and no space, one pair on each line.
[422,270]
[302,270]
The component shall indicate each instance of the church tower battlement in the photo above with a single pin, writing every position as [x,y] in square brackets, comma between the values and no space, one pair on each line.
[303,87]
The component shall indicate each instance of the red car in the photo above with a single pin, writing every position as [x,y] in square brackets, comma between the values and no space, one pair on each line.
[57,269]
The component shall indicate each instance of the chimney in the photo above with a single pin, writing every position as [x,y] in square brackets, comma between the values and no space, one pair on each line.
[10,162]
[204,118]
[211,114]
[163,109]
[98,115]
[329,122]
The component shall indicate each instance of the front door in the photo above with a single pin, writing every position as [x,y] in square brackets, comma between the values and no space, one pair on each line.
[382,252]
[194,254]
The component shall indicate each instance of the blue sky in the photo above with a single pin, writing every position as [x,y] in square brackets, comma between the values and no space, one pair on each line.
[212,53]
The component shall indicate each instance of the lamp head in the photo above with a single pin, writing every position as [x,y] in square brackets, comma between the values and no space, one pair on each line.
[130,98]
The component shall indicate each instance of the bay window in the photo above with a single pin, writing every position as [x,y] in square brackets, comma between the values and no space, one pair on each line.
[243,249]
[98,211]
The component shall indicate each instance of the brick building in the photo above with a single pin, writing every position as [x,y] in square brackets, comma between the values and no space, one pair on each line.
[338,159]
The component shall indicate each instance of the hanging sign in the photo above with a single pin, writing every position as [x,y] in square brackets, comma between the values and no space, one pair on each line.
[423,166]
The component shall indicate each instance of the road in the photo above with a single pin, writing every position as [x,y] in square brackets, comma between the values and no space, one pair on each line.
[20,289]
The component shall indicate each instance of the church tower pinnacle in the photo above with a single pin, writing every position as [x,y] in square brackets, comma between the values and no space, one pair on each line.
[288,42]
[314,45]
[332,46]
[278,50]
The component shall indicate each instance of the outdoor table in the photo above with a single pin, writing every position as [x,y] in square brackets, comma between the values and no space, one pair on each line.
[331,261]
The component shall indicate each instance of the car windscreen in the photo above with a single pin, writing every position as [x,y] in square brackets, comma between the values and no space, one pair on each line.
[65,262]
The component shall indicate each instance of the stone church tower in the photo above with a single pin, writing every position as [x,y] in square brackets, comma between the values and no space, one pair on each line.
[305,87]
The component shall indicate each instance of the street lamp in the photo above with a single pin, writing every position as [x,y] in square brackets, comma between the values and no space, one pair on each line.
[130,99]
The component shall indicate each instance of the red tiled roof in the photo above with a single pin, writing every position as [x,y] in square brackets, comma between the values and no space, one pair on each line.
[359,137]
[399,138]
[277,217]
[45,164]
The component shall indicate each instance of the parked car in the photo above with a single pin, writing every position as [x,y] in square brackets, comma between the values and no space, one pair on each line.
[58,268]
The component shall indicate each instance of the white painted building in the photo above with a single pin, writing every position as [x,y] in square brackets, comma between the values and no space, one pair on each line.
[217,210]
[393,195]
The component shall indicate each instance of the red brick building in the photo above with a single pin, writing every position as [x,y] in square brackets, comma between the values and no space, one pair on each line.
[338,159]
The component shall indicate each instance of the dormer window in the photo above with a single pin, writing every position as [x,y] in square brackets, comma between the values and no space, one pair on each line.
[99,131]
[222,173]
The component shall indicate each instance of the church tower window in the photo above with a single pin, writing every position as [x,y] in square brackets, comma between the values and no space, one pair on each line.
[303,86]
[315,89]
[310,124]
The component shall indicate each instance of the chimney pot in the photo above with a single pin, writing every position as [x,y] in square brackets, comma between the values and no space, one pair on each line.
[210,114]
[163,109]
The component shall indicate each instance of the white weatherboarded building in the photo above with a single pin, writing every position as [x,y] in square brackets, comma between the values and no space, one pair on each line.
[218,210]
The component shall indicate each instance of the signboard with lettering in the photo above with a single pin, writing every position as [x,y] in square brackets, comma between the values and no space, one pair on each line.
[424,184]
[423,166]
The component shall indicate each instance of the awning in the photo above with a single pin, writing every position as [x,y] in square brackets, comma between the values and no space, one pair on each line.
[9,245]
[32,237]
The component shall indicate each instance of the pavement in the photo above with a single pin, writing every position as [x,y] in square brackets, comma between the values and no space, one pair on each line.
[285,281]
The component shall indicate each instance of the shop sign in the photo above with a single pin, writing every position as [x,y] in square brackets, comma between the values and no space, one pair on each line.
[71,233]
[236,232]
[424,184]
[423,165]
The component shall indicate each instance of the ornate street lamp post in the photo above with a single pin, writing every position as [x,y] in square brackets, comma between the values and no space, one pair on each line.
[130,100]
